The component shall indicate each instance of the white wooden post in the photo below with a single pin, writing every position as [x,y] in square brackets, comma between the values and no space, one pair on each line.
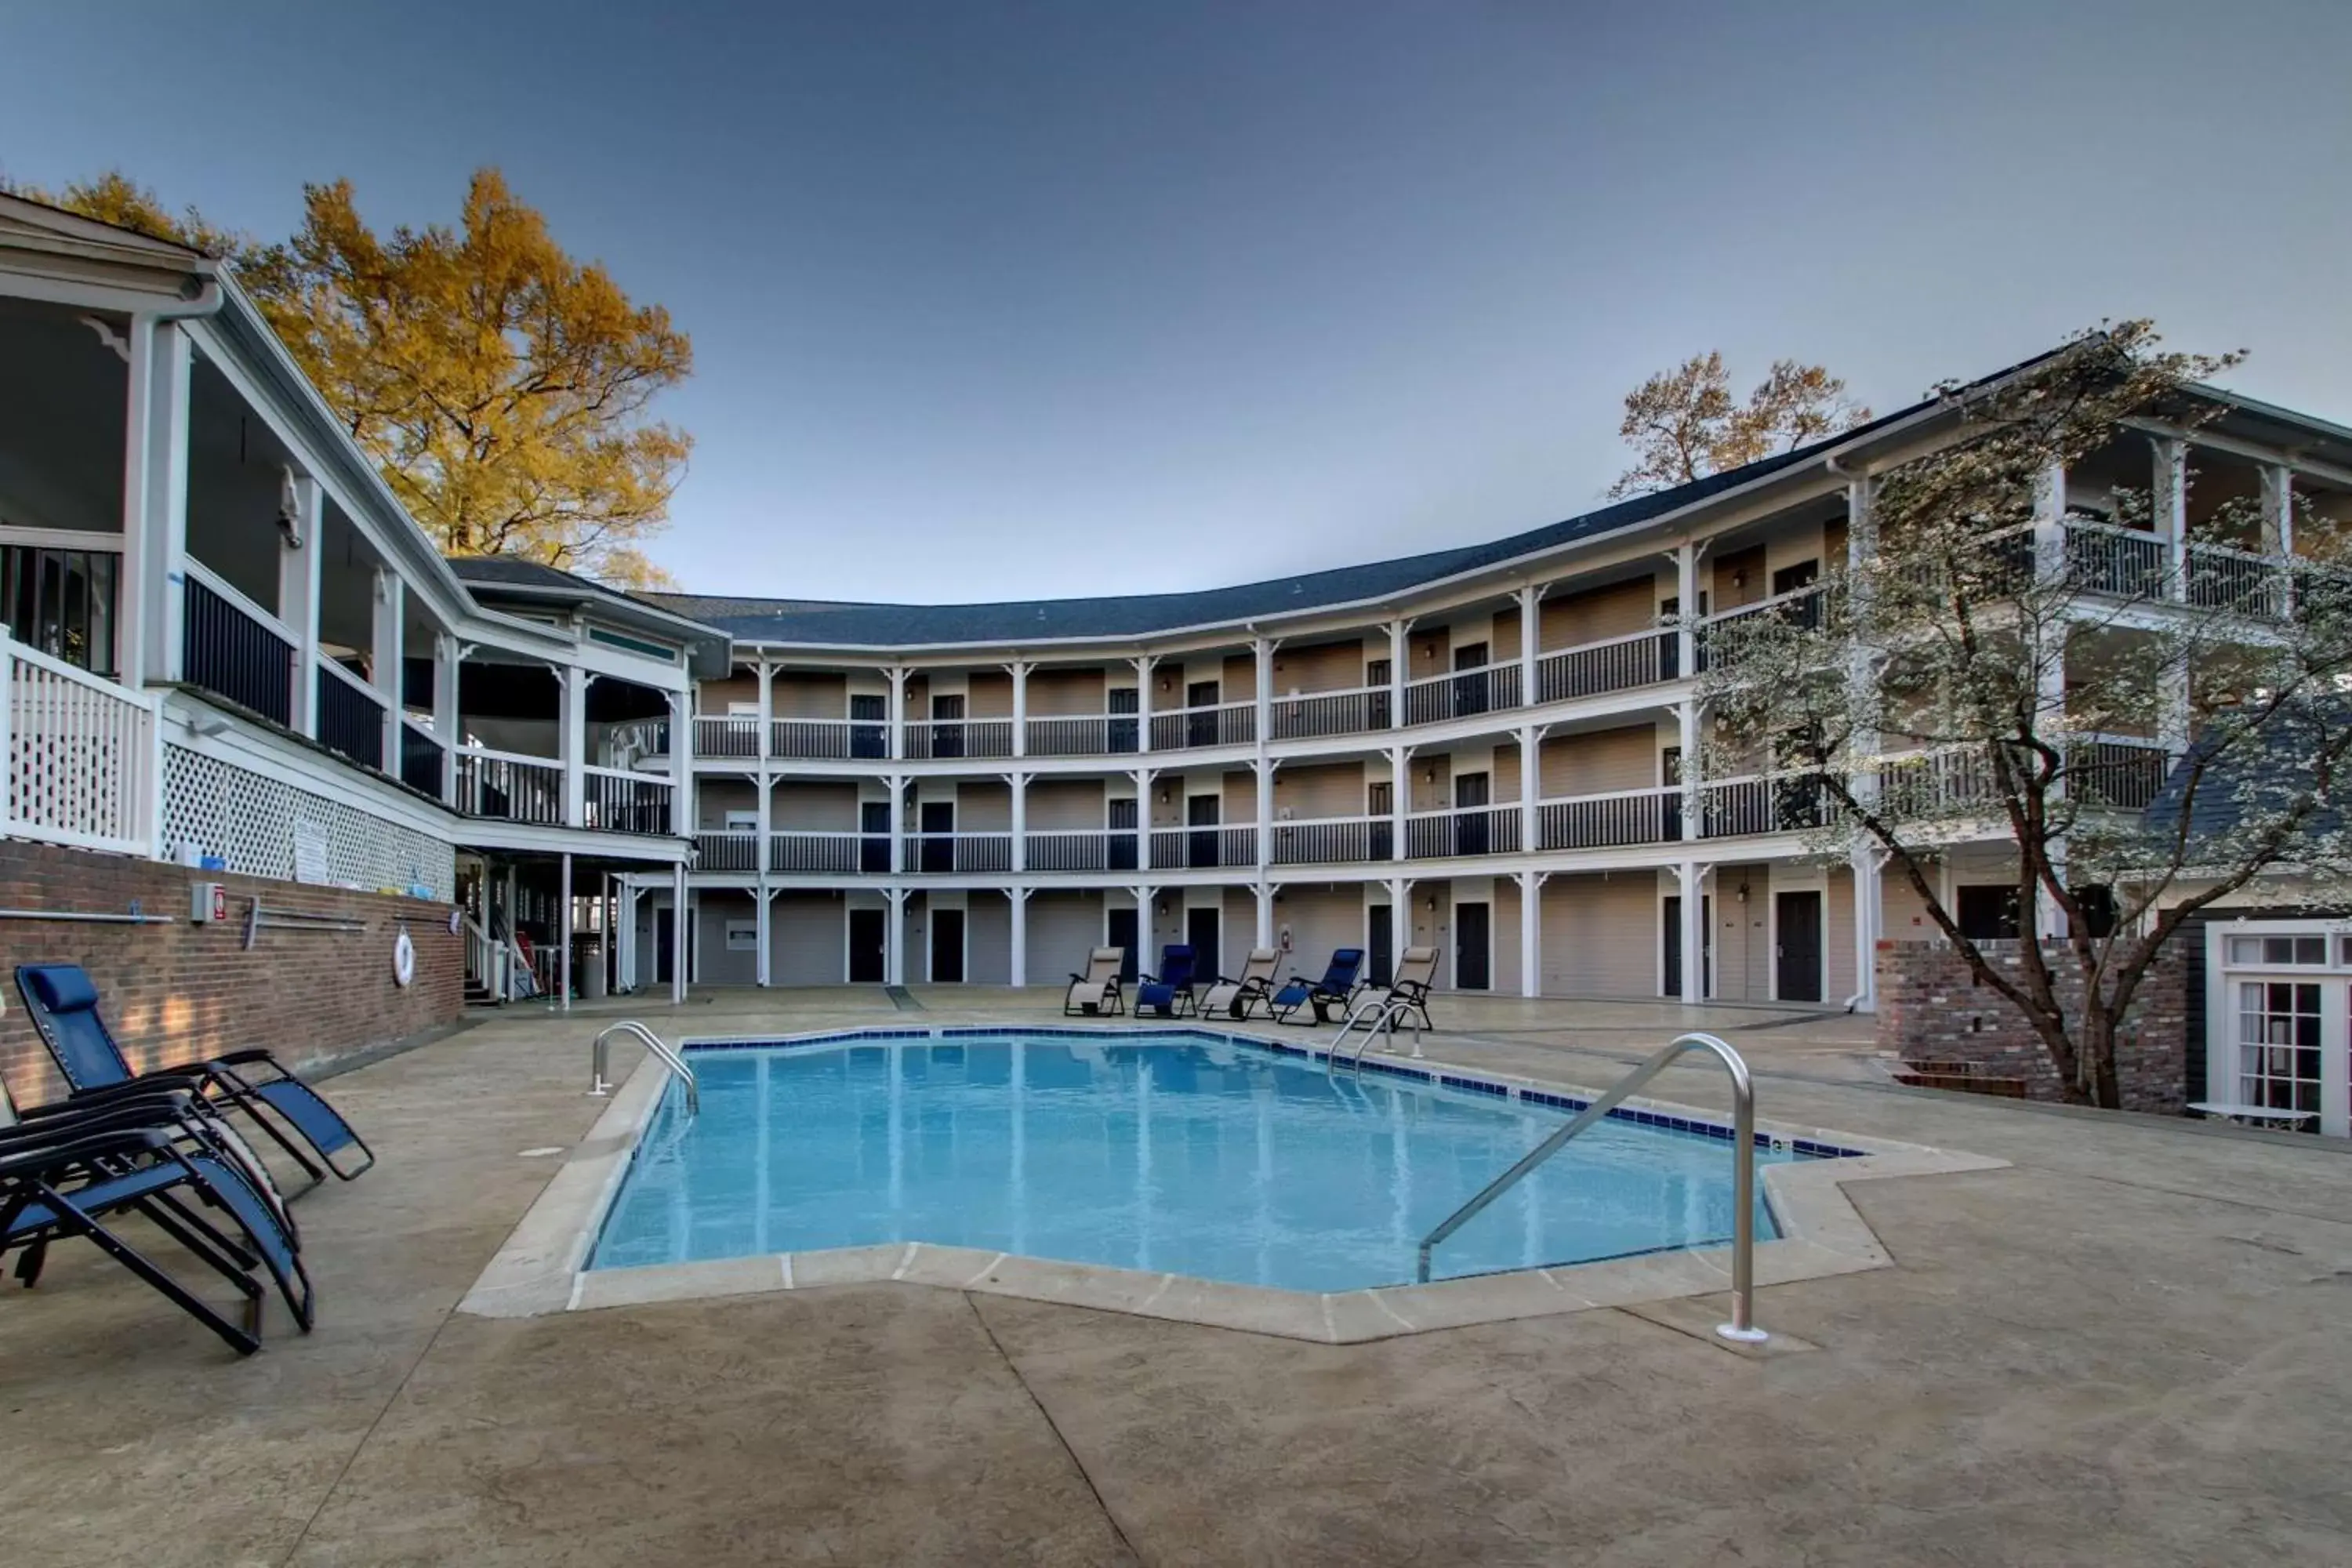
[897,675]
[1397,653]
[678,942]
[1144,663]
[388,658]
[1264,892]
[1400,791]
[1143,777]
[448,658]
[1020,786]
[1531,931]
[2170,509]
[1018,899]
[681,762]
[1020,671]
[760,970]
[563,937]
[297,604]
[571,740]
[1693,923]
[2278,528]
[150,598]
[1531,625]
[1530,789]
[767,747]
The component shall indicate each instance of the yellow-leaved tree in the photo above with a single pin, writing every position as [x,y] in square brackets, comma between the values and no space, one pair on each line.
[501,386]
[1683,423]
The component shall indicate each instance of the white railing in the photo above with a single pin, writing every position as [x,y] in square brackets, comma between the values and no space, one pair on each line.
[2222,576]
[1081,849]
[1083,734]
[1304,715]
[960,737]
[2131,563]
[1219,724]
[1611,819]
[618,800]
[1329,840]
[82,755]
[1612,664]
[829,737]
[509,787]
[1463,830]
[1462,694]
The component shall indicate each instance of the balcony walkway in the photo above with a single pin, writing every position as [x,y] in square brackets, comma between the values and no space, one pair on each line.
[2124,1347]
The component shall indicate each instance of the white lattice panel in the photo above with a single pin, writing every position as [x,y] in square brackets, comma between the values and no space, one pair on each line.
[252,823]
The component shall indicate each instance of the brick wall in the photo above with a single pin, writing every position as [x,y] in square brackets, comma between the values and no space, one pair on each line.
[1930,1009]
[182,992]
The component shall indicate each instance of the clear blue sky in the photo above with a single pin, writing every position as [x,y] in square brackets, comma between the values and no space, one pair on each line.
[1003,300]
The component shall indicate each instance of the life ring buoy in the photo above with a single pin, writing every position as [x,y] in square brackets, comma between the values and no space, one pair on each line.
[403,958]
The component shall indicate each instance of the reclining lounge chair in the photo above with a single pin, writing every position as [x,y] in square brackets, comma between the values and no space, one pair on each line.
[1096,993]
[1407,1000]
[66,1173]
[1328,996]
[64,1007]
[1234,999]
[1169,992]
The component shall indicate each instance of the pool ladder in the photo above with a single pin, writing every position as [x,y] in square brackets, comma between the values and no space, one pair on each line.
[599,1085]
[1742,1327]
[1377,1015]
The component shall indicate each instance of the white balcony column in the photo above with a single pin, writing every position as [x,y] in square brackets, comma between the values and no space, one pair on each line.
[1400,917]
[1686,610]
[1020,669]
[1531,931]
[761,920]
[298,599]
[1688,717]
[1143,777]
[1018,899]
[1400,797]
[2168,509]
[1693,879]
[1266,770]
[1144,663]
[563,937]
[897,785]
[1261,719]
[448,658]
[571,740]
[388,659]
[1020,782]
[894,938]
[1869,925]
[150,599]
[623,936]
[678,940]
[767,744]
[1530,600]
[765,847]
[1264,891]
[2278,526]
[1146,960]
[1530,788]
[2050,704]
[1399,656]
[897,675]
[681,762]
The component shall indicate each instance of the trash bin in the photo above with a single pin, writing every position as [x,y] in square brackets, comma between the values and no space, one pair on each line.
[588,970]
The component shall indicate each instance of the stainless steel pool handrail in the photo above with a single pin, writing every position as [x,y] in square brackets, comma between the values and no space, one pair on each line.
[599,1086]
[1742,1326]
[1378,1015]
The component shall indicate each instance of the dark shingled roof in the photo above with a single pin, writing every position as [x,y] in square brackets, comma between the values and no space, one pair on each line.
[832,623]
[513,572]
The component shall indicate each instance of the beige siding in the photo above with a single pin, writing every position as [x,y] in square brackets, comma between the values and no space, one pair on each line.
[808,940]
[983,808]
[1333,667]
[990,695]
[1241,677]
[1837,932]
[1739,579]
[1059,804]
[1505,784]
[1902,910]
[1060,692]
[1601,761]
[1599,614]
[1504,644]
[800,695]
[1601,934]
[1236,934]
[814,808]
[1239,791]
[1316,790]
[1428,652]
[715,696]
[715,797]
[1430,928]
[1063,928]
[713,909]
[1430,793]
[988,924]
[1319,918]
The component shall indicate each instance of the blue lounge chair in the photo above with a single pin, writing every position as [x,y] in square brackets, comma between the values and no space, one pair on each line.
[1332,991]
[1169,992]
[64,1007]
[66,1175]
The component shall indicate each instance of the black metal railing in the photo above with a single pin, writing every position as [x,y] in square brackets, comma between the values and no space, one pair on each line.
[227,652]
[422,759]
[1327,843]
[612,803]
[1599,822]
[732,849]
[350,720]
[1310,714]
[960,738]
[1232,724]
[1791,803]
[1464,694]
[1608,667]
[960,851]
[1199,849]
[508,789]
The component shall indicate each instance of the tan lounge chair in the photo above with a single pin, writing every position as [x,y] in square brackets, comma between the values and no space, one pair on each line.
[1096,993]
[1234,999]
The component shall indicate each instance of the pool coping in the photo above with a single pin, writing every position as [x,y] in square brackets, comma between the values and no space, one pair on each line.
[539,1269]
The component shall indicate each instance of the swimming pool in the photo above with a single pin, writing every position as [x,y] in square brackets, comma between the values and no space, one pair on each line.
[1178,1151]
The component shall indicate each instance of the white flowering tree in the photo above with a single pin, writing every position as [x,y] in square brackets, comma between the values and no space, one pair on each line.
[1967,680]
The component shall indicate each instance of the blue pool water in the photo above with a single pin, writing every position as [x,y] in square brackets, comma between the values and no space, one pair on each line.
[1179,1154]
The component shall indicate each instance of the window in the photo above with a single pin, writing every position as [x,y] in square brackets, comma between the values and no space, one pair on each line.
[2272,951]
[1989,914]
[742,822]
[2098,906]
[1376,671]
[2279,1041]
[742,936]
[1380,798]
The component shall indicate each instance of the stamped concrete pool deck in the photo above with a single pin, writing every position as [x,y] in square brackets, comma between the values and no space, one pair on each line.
[2124,1345]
